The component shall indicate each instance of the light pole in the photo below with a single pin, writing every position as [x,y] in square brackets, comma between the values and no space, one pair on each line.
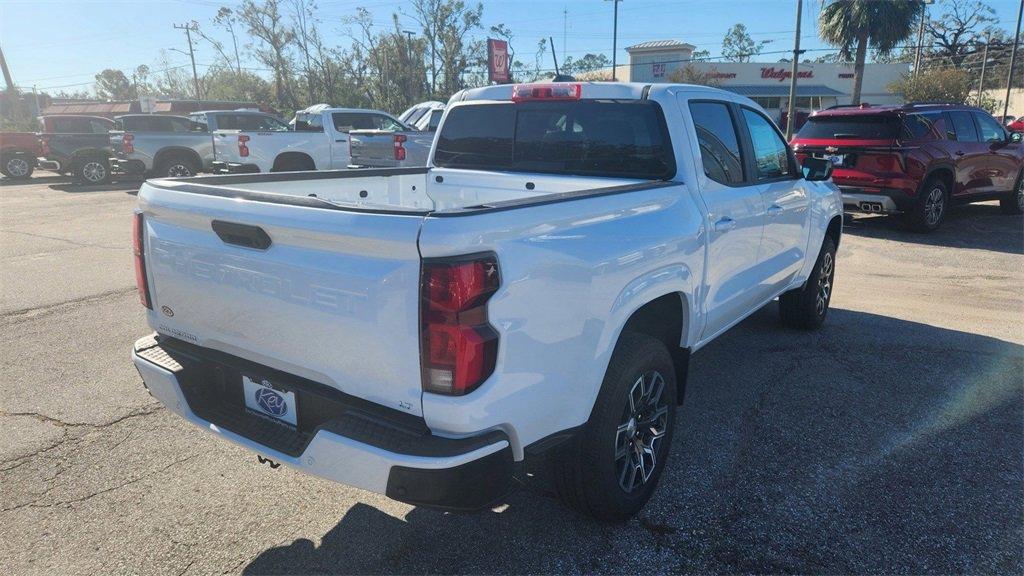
[790,122]
[615,38]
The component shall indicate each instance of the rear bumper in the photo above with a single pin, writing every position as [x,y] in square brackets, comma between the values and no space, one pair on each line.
[233,168]
[340,438]
[882,200]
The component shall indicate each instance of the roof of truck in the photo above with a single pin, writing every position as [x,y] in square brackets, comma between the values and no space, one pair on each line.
[610,90]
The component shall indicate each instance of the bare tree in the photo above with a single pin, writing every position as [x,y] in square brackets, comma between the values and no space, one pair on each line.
[266,24]
[446,25]
[961,29]
[226,19]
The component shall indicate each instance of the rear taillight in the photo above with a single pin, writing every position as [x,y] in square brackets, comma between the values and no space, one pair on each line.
[551,91]
[128,143]
[399,146]
[458,345]
[243,150]
[138,244]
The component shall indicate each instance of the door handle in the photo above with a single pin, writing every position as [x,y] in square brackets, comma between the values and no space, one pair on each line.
[725,224]
[775,210]
[959,152]
[342,140]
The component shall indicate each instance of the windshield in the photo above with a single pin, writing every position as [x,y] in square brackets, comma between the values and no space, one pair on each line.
[625,139]
[867,127]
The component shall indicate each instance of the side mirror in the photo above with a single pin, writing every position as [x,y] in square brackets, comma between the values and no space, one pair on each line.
[1016,137]
[816,169]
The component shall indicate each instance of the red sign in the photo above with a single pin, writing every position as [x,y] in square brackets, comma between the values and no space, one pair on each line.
[497,61]
[781,74]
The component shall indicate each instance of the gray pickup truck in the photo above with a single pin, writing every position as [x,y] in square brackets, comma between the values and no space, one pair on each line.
[388,149]
[176,146]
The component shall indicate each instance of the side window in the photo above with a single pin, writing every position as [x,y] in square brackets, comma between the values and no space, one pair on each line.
[964,126]
[926,126]
[346,121]
[719,146]
[991,131]
[381,122]
[771,157]
[99,127]
[434,120]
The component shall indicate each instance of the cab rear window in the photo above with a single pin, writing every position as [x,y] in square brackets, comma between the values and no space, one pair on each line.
[867,127]
[623,139]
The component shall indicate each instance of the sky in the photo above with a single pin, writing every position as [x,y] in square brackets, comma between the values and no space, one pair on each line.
[61,45]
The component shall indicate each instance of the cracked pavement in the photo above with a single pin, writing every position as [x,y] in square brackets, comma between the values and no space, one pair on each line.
[889,441]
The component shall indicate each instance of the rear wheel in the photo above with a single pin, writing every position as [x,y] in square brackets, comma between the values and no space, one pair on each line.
[931,207]
[1013,203]
[176,167]
[17,167]
[612,467]
[92,170]
[293,163]
[806,307]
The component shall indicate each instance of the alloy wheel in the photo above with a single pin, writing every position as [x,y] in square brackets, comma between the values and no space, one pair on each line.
[17,167]
[934,206]
[94,171]
[178,171]
[824,283]
[638,437]
[1020,194]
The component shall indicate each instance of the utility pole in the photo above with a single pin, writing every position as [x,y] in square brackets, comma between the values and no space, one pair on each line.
[984,63]
[1013,60]
[188,28]
[790,121]
[6,72]
[565,28]
[408,47]
[554,56]
[615,38]
[920,37]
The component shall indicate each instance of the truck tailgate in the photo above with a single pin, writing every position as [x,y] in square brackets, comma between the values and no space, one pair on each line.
[372,148]
[333,298]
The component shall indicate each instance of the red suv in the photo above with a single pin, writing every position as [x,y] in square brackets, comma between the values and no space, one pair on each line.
[917,159]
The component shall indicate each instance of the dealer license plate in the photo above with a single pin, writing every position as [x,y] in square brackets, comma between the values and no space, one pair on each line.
[263,398]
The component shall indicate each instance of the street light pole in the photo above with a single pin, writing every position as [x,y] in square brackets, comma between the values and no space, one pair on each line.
[790,122]
[615,39]
[1013,60]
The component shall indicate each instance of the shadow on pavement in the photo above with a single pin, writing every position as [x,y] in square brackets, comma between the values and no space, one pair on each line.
[118,186]
[872,445]
[979,226]
[48,179]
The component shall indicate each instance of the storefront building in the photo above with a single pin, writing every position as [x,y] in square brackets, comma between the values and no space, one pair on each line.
[767,83]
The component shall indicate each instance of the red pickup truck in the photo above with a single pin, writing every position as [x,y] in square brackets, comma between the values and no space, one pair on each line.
[18,153]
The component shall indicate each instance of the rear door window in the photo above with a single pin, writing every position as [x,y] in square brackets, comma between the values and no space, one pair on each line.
[625,139]
[72,125]
[348,121]
[866,127]
[309,123]
[99,126]
[719,146]
[963,124]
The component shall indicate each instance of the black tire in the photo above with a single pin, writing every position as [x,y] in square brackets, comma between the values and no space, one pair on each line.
[589,475]
[17,166]
[807,306]
[92,170]
[1013,203]
[176,166]
[930,210]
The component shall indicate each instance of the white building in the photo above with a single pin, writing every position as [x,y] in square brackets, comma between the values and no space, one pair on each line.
[767,83]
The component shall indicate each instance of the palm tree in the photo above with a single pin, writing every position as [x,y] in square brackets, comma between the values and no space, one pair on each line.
[853,24]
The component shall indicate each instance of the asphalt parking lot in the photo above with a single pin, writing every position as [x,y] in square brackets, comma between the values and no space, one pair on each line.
[889,441]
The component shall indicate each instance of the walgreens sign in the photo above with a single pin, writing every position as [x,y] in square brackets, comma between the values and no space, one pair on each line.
[781,74]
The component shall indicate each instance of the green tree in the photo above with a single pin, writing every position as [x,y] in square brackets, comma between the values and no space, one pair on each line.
[273,39]
[853,25]
[114,85]
[738,46]
[935,85]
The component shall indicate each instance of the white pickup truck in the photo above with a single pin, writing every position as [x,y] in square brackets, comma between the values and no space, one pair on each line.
[527,302]
[318,140]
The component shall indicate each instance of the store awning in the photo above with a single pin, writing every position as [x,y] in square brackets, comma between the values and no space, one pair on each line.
[782,90]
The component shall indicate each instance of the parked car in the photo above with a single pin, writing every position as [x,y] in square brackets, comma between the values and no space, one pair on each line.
[1016,125]
[413,113]
[530,299]
[318,140]
[377,148]
[76,145]
[916,160]
[18,153]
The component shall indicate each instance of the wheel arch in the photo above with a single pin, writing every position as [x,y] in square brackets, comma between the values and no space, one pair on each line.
[665,318]
[292,156]
[176,151]
[835,229]
[946,172]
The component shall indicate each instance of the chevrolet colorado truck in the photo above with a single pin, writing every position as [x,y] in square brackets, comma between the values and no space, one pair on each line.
[389,149]
[318,141]
[527,302]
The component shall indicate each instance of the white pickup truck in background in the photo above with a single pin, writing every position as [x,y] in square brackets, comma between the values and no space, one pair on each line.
[318,140]
[528,302]
[389,149]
